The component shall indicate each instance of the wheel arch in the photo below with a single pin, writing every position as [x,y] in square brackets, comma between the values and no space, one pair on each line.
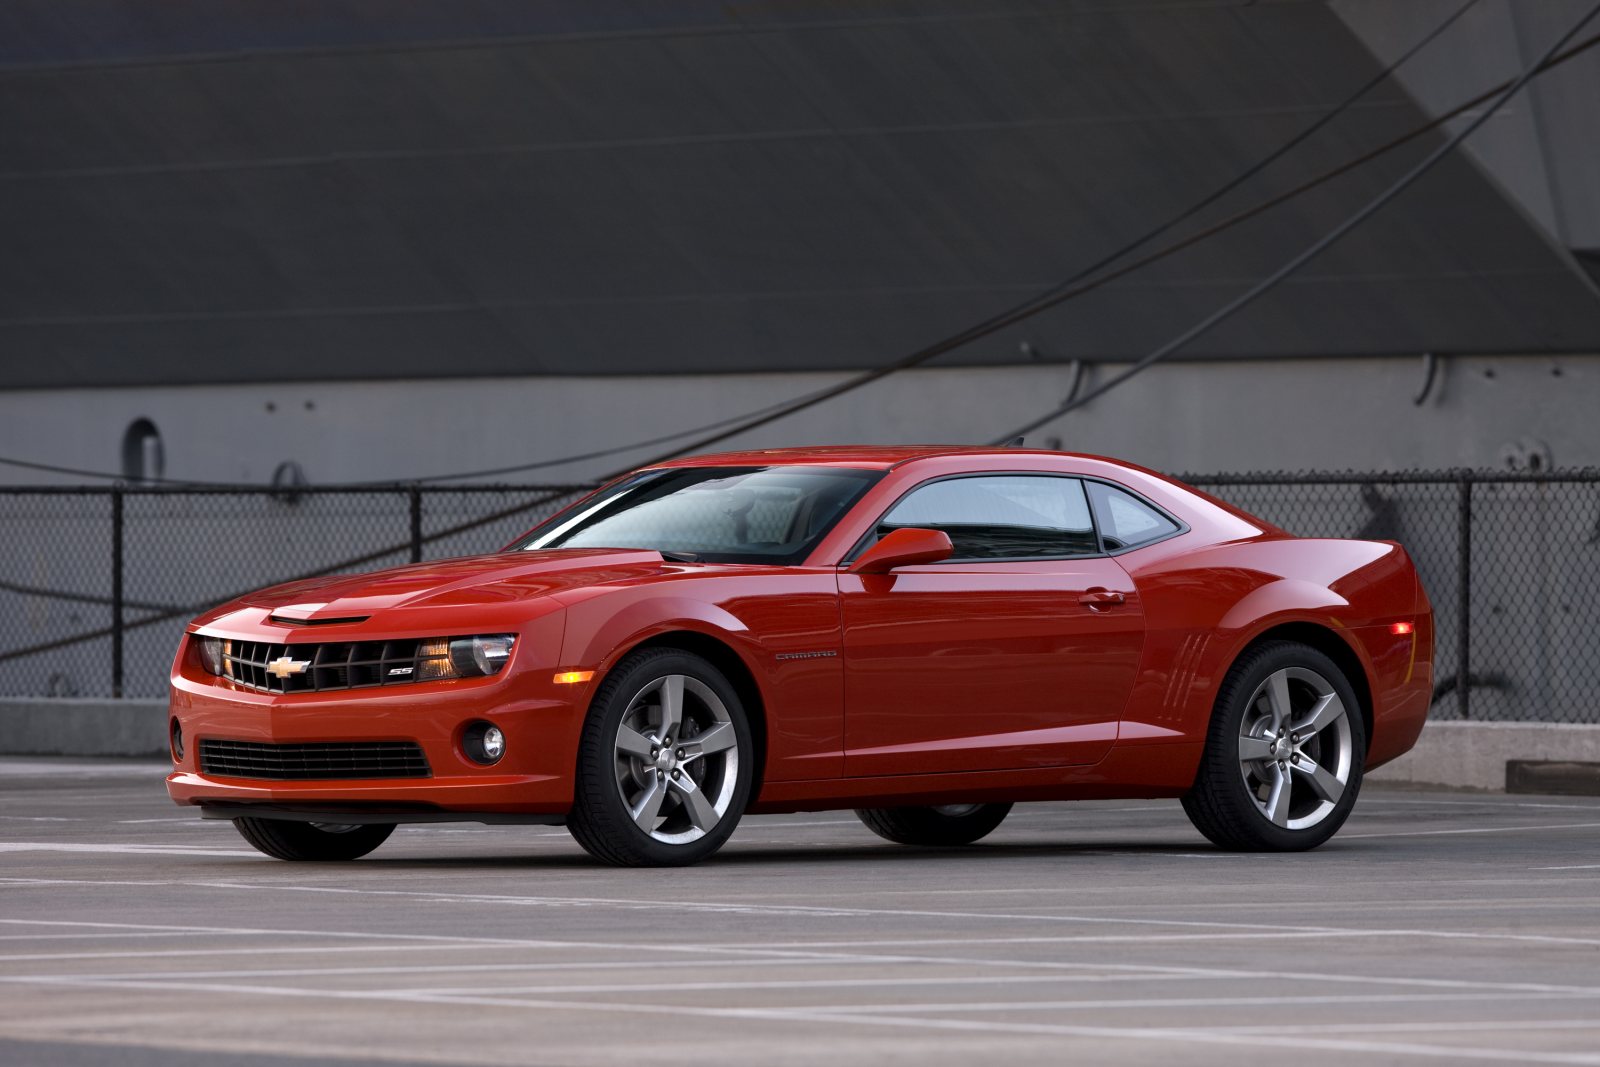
[726,659]
[1326,640]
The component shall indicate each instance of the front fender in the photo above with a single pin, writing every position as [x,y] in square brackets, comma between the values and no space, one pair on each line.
[597,639]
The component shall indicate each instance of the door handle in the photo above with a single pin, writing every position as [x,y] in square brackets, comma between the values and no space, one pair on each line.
[1101,598]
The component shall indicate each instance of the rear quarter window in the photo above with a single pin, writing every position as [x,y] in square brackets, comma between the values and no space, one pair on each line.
[1126,521]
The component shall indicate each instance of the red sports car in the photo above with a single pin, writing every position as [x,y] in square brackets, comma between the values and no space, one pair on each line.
[925,635]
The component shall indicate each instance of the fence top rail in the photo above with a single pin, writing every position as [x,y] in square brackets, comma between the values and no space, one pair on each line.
[1579,475]
[282,491]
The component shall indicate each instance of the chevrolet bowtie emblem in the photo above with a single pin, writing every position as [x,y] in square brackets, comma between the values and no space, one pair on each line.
[283,666]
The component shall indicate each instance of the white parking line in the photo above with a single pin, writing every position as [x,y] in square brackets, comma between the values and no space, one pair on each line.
[127,850]
[1491,802]
[1187,1036]
[1256,928]
[1375,997]
[1472,830]
[1452,1026]
[763,951]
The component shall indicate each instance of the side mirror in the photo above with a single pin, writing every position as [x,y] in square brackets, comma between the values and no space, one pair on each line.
[902,548]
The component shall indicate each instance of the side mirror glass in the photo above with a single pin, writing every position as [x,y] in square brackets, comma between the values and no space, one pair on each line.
[902,548]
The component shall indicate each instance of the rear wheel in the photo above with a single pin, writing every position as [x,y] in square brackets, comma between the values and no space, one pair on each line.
[945,824]
[1284,754]
[664,765]
[317,841]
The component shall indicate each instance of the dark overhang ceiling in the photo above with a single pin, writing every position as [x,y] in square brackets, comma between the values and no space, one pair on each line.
[238,191]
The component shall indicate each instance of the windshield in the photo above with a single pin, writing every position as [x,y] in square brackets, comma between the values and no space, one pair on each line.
[715,514]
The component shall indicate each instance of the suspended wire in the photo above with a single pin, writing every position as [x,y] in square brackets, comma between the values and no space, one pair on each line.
[537,465]
[738,424]
[1315,249]
[1504,88]
[1055,295]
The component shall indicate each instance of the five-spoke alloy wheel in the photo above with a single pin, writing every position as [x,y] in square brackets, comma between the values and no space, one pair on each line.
[664,767]
[1284,754]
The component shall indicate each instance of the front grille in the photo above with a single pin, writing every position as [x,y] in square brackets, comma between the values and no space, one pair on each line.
[317,668]
[321,759]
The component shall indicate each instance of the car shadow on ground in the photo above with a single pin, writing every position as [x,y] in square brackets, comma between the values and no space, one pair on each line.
[799,854]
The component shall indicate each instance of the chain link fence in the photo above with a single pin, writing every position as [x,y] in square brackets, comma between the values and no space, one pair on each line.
[96,584]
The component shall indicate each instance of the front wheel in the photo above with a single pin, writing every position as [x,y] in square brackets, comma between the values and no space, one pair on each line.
[664,765]
[1284,754]
[316,841]
[946,824]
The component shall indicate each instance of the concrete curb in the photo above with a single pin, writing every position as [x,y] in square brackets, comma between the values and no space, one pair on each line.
[1473,755]
[1450,755]
[53,727]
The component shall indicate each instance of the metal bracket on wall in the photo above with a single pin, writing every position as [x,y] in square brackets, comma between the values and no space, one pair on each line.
[1077,368]
[1077,381]
[1430,371]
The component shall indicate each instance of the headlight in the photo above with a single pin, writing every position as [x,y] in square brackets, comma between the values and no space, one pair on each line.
[463,657]
[211,654]
[481,655]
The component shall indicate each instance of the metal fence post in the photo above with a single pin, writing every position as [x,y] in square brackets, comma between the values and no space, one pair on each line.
[416,524]
[1464,593]
[116,591]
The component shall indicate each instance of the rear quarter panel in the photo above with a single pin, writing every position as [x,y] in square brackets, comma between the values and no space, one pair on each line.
[1205,606]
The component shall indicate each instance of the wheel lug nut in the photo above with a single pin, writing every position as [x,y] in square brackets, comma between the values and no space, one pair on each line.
[680,753]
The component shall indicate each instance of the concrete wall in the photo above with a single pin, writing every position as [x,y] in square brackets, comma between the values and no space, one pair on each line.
[41,727]
[1327,414]
[1473,755]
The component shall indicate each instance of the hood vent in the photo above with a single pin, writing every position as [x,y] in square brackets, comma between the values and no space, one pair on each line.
[289,620]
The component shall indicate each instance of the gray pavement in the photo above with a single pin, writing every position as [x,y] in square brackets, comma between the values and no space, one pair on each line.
[1444,927]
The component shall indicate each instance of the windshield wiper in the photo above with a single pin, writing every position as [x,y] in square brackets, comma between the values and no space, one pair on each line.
[679,557]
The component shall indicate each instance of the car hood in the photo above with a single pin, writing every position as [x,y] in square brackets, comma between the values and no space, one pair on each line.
[472,580]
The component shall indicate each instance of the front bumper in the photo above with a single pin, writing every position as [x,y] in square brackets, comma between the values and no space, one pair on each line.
[541,722]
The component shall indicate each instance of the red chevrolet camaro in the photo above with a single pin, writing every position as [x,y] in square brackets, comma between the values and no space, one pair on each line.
[925,635]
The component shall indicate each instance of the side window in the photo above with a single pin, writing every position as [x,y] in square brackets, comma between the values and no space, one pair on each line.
[1125,520]
[1001,517]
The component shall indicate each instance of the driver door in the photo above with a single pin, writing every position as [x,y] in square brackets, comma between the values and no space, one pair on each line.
[1019,651]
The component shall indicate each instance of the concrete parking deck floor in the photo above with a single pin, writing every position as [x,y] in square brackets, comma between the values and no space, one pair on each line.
[1449,927]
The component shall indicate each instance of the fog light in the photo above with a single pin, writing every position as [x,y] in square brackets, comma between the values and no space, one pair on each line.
[177,742]
[484,742]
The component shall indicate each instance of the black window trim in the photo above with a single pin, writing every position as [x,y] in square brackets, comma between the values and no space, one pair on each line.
[869,537]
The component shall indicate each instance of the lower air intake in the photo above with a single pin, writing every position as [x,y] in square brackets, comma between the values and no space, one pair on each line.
[337,759]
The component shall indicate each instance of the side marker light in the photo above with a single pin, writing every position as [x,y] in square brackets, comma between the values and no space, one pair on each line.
[573,677]
[1400,628]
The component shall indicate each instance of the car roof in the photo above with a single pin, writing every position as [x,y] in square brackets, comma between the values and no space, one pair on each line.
[875,457]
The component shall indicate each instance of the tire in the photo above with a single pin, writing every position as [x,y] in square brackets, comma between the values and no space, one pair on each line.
[1287,714]
[946,825]
[286,840]
[641,803]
